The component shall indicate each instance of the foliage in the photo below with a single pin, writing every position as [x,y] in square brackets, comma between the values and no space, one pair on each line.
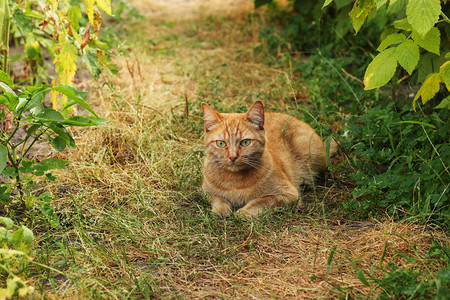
[32,122]
[420,282]
[15,244]
[60,28]
[399,159]
[410,36]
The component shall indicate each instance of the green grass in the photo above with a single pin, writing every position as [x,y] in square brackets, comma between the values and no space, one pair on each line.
[134,223]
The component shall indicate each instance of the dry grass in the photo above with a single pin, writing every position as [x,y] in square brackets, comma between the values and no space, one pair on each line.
[134,221]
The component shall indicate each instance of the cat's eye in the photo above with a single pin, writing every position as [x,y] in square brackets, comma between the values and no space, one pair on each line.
[221,144]
[246,142]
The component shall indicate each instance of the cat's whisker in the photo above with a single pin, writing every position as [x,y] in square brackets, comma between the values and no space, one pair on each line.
[256,164]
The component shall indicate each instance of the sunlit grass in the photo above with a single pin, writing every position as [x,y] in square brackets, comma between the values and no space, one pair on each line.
[134,221]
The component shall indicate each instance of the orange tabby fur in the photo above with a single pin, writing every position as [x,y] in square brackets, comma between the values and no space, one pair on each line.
[282,154]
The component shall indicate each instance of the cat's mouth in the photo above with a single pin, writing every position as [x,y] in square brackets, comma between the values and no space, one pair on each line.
[235,166]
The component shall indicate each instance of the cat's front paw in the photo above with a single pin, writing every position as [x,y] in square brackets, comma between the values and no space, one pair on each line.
[221,210]
[247,213]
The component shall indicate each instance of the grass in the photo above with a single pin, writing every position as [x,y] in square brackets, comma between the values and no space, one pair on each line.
[134,222]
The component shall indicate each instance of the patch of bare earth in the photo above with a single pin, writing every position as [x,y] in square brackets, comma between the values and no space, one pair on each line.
[135,221]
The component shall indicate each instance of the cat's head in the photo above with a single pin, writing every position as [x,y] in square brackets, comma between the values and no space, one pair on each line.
[235,141]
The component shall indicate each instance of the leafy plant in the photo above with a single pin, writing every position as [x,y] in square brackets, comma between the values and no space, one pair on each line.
[418,282]
[32,122]
[400,162]
[412,34]
[15,244]
[60,28]
[417,25]
[398,159]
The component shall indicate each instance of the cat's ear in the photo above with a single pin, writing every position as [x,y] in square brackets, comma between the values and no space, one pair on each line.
[255,114]
[212,118]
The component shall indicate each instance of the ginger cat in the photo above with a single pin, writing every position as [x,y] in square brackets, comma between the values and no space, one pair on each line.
[258,160]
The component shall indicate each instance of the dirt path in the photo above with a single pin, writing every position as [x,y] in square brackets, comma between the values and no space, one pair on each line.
[138,225]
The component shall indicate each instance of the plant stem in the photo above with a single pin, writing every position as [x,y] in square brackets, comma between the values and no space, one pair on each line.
[13,159]
[4,43]
[32,143]
[446,19]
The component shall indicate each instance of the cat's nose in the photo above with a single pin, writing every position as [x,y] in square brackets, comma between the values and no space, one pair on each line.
[233,158]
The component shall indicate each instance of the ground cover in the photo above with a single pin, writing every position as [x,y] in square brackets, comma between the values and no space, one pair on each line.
[132,220]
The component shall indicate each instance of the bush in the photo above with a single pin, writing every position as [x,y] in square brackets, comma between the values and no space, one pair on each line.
[398,158]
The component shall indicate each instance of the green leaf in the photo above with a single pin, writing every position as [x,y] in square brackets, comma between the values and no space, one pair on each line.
[17,237]
[21,104]
[5,88]
[31,52]
[51,164]
[396,6]
[428,89]
[423,14]
[327,2]
[9,172]
[84,121]
[50,177]
[417,122]
[74,95]
[58,143]
[380,3]
[28,235]
[28,166]
[430,42]
[7,221]
[328,149]
[428,63]
[403,24]
[408,55]
[381,69]
[74,13]
[395,38]
[359,13]
[444,71]
[4,100]
[342,3]
[33,129]
[13,100]
[444,103]
[91,62]
[63,133]
[362,278]
[5,78]
[3,156]
[330,259]
[259,3]
[35,105]
[50,115]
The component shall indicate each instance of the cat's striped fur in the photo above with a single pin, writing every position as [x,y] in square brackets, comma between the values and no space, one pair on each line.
[258,160]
